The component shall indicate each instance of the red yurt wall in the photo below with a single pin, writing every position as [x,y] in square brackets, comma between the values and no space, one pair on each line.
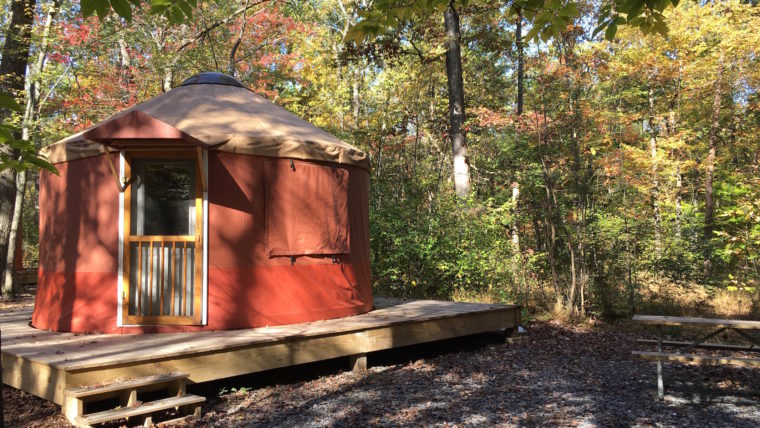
[79,241]
[274,226]
[249,287]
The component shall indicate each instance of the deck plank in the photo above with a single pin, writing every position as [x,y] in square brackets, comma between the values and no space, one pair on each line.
[68,351]
[82,359]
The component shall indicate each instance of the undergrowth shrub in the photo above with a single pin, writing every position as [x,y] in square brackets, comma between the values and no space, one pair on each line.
[449,249]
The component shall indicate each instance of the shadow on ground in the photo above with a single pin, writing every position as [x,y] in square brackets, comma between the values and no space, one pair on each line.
[556,375]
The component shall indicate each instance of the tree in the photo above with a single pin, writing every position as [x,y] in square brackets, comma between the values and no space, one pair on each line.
[176,11]
[547,20]
[15,58]
[519,44]
[32,98]
[711,152]
[456,102]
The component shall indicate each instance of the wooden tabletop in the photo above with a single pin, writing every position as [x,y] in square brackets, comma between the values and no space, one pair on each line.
[692,321]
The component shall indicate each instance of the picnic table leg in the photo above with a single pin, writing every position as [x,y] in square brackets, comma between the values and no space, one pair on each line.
[660,383]
[702,340]
[752,341]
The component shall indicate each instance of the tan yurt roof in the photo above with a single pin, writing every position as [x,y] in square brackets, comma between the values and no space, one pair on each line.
[216,112]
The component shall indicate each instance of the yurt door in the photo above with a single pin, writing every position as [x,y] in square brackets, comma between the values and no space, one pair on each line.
[163,208]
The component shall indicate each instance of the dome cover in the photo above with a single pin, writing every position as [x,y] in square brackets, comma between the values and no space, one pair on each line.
[212,78]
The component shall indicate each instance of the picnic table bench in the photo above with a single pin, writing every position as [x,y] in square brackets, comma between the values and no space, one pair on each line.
[684,354]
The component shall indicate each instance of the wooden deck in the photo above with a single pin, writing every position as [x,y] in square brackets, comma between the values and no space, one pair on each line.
[46,364]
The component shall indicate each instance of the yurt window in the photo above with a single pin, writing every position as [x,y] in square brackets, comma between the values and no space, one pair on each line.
[306,208]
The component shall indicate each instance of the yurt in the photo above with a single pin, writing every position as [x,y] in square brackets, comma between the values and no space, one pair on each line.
[204,208]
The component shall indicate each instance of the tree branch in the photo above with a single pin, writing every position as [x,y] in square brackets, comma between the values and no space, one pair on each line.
[203,33]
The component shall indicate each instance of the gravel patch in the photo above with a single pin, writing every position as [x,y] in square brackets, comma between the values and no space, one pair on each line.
[561,376]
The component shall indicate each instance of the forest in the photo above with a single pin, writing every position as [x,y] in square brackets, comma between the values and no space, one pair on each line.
[583,157]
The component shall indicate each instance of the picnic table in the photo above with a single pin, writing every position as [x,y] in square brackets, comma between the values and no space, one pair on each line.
[716,326]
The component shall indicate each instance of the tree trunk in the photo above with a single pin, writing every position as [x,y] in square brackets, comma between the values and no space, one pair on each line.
[15,58]
[355,98]
[125,61]
[33,83]
[628,250]
[515,231]
[710,161]
[537,232]
[517,263]
[520,62]
[672,131]
[582,279]
[679,208]
[516,184]
[168,80]
[124,58]
[655,192]
[456,102]
[573,280]
[39,64]
[9,277]
[551,229]
[15,52]
[337,49]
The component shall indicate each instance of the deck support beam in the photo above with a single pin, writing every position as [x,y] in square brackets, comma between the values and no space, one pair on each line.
[73,408]
[358,363]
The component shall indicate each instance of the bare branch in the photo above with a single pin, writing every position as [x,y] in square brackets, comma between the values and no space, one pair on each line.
[235,46]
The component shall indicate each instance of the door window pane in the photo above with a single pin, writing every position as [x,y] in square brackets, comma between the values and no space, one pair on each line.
[163,197]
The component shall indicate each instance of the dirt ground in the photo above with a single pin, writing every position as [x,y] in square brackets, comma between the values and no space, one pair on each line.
[555,375]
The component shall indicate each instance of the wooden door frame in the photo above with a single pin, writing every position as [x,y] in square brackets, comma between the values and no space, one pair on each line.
[200,285]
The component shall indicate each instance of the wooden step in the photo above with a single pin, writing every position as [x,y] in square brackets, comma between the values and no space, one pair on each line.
[182,419]
[698,359]
[142,409]
[137,383]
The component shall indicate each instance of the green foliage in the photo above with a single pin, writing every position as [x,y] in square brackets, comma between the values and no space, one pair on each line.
[737,240]
[27,154]
[31,227]
[648,16]
[461,248]
[23,153]
[548,19]
[176,11]
[384,16]
[7,102]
